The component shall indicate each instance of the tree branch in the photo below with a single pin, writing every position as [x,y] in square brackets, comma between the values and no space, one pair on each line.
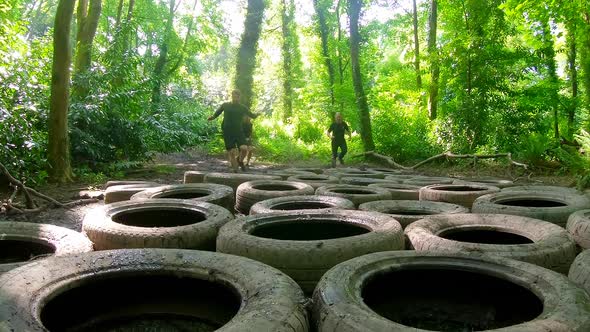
[29,201]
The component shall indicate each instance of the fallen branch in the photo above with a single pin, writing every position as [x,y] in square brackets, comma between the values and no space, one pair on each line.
[9,207]
[447,155]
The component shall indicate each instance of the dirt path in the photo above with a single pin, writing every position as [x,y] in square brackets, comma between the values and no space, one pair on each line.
[170,168]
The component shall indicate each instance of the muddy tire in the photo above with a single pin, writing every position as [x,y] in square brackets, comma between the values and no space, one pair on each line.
[462,194]
[387,171]
[543,188]
[315,170]
[356,194]
[284,174]
[252,192]
[124,192]
[352,172]
[521,238]
[155,223]
[400,177]
[235,179]
[417,291]
[400,191]
[580,270]
[554,207]
[578,224]
[126,182]
[315,181]
[363,181]
[500,183]
[194,177]
[406,212]
[155,289]
[293,203]
[423,181]
[203,192]
[305,244]
[22,242]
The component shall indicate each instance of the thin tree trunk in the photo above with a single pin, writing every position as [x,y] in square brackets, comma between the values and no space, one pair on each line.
[119,15]
[287,48]
[433,56]
[572,55]
[340,53]
[158,74]
[361,98]
[247,52]
[323,30]
[58,154]
[417,48]
[87,25]
[548,51]
[585,59]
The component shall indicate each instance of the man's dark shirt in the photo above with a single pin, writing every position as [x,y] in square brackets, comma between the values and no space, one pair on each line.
[233,116]
[247,129]
[339,129]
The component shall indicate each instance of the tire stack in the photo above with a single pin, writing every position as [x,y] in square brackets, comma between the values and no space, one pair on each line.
[251,192]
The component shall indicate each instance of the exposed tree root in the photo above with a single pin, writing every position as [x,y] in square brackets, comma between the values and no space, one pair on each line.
[446,155]
[9,207]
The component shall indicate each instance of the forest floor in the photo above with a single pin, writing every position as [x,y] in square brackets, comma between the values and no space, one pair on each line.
[170,168]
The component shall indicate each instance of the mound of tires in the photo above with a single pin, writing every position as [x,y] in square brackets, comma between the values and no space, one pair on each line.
[203,192]
[294,203]
[304,245]
[22,242]
[150,290]
[419,291]
[462,194]
[251,192]
[521,238]
[155,223]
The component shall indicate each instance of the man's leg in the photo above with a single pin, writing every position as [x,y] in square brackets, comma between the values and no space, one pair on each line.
[343,150]
[243,152]
[334,152]
[249,154]
[231,156]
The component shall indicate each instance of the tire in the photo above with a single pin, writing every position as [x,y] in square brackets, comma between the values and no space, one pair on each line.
[580,270]
[521,238]
[124,192]
[351,172]
[235,179]
[312,241]
[362,181]
[550,206]
[285,174]
[496,293]
[315,181]
[194,177]
[400,177]
[542,188]
[406,212]
[21,242]
[155,223]
[578,225]
[357,194]
[133,288]
[386,171]
[400,191]
[125,182]
[315,170]
[203,192]
[462,194]
[500,183]
[252,192]
[423,181]
[293,203]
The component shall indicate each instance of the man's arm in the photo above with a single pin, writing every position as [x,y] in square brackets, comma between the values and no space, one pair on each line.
[216,114]
[330,129]
[347,129]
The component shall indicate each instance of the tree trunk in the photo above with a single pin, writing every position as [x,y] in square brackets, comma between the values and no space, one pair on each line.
[433,56]
[417,48]
[548,52]
[361,99]
[247,52]
[119,15]
[87,25]
[287,20]
[573,71]
[158,74]
[324,32]
[585,59]
[58,154]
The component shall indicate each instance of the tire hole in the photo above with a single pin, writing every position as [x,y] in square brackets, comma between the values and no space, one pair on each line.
[163,217]
[308,230]
[408,212]
[125,302]
[449,300]
[483,236]
[182,195]
[301,206]
[274,187]
[351,191]
[531,202]
[14,251]
[458,188]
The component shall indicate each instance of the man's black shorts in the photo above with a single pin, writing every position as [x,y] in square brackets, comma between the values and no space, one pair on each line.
[234,140]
